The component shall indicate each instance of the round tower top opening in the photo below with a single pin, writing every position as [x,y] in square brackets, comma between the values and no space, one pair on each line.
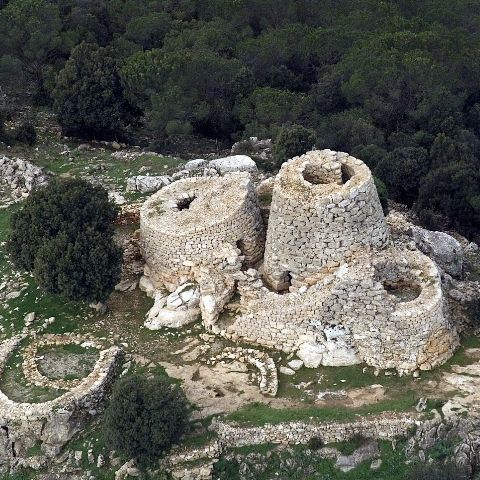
[191,204]
[322,172]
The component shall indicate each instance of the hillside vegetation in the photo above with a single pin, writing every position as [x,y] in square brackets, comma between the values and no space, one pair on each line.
[393,82]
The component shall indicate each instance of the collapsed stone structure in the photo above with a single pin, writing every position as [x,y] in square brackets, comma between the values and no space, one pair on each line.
[334,287]
[49,425]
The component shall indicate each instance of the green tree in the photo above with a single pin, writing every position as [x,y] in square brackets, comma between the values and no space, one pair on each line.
[403,171]
[452,191]
[31,36]
[88,95]
[292,141]
[145,417]
[64,235]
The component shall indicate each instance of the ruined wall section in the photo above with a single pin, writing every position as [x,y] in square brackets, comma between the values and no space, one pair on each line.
[192,217]
[356,315]
[325,207]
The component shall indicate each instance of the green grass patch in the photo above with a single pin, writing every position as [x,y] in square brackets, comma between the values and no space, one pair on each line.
[261,414]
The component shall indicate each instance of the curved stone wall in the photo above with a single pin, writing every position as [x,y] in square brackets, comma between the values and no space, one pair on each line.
[194,216]
[325,207]
[53,423]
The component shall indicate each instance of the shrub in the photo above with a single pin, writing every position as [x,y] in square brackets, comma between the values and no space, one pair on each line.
[145,417]
[26,134]
[292,141]
[88,96]
[314,443]
[64,235]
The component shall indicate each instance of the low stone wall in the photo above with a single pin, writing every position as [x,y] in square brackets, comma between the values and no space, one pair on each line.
[192,217]
[51,424]
[325,208]
[382,427]
[385,427]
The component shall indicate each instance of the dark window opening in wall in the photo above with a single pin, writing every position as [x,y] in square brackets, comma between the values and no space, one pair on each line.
[346,176]
[184,203]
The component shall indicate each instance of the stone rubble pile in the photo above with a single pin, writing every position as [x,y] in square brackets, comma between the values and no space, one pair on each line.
[193,168]
[21,176]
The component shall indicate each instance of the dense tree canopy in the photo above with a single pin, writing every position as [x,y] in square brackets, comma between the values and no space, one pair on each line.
[64,235]
[395,82]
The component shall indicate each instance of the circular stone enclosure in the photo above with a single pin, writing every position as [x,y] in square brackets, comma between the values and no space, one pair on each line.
[186,220]
[325,207]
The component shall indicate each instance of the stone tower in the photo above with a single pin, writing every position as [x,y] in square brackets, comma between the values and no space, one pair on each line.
[325,207]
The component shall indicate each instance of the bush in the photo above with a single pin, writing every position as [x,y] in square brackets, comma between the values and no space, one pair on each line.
[292,141]
[448,471]
[26,134]
[145,417]
[64,235]
[314,443]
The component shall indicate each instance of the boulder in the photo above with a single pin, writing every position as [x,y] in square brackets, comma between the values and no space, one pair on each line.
[339,354]
[311,354]
[196,164]
[444,250]
[234,163]
[147,183]
[366,452]
[173,310]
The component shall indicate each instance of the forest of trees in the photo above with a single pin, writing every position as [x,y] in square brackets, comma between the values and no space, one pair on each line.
[394,82]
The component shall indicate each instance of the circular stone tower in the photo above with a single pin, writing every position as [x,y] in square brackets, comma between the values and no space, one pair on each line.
[191,217]
[325,207]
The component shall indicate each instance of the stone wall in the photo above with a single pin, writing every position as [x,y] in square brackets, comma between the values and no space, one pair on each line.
[53,423]
[325,207]
[194,216]
[355,315]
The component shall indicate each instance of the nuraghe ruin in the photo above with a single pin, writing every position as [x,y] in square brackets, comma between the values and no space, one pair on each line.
[323,279]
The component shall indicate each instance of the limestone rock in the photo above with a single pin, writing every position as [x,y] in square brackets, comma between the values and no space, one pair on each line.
[442,248]
[175,310]
[295,364]
[147,184]
[196,164]
[234,163]
[311,354]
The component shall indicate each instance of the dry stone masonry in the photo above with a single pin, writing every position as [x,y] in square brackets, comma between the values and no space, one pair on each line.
[325,207]
[194,216]
[333,287]
[49,425]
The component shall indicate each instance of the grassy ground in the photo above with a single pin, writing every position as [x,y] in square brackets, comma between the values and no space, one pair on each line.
[123,324]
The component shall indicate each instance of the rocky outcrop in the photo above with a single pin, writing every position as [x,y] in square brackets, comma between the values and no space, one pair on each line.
[442,248]
[173,310]
[21,176]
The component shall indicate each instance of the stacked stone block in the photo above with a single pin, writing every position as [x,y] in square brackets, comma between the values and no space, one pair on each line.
[325,207]
[192,217]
